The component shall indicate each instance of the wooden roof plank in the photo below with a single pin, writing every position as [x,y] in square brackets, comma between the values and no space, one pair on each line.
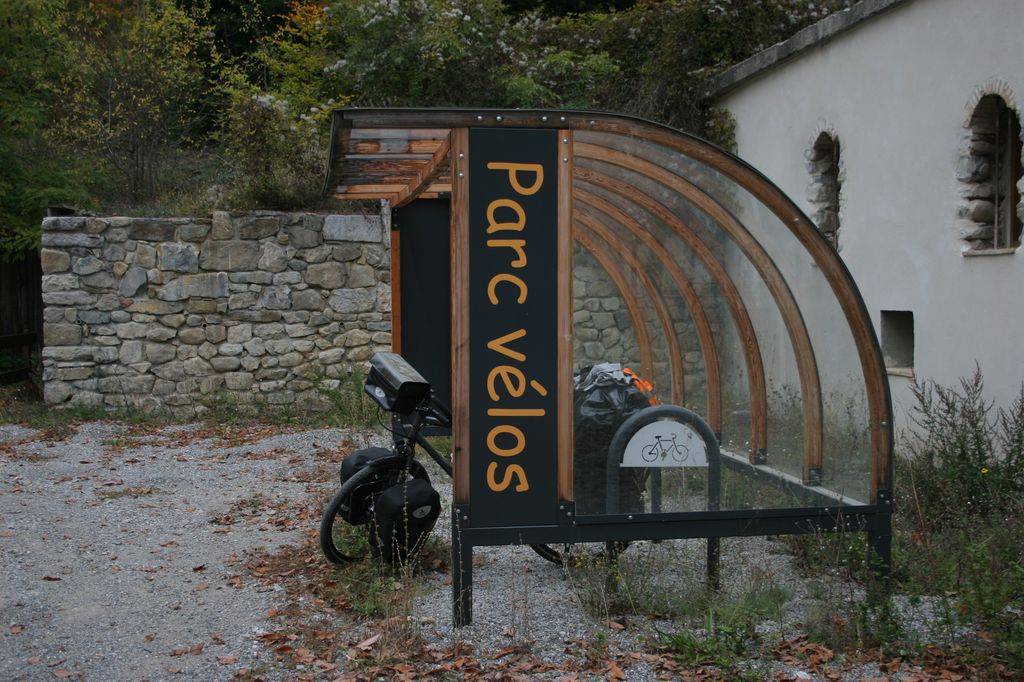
[399,133]
[427,175]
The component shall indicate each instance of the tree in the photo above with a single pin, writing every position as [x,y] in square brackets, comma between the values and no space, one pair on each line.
[31,175]
[133,83]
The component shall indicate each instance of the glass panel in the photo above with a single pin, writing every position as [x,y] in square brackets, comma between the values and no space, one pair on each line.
[684,232]
[846,454]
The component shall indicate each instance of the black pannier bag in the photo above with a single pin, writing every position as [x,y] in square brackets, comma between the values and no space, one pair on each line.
[403,516]
[604,396]
[356,509]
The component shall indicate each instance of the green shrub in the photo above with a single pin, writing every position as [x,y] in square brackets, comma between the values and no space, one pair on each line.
[967,460]
[721,644]
[957,531]
[273,160]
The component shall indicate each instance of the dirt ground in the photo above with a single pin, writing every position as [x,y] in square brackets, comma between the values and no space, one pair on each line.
[135,552]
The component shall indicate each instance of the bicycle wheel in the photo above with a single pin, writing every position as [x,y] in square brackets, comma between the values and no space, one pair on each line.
[330,519]
[649,453]
[680,453]
[328,544]
[548,553]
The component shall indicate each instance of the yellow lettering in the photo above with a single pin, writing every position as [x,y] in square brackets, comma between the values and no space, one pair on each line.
[513,175]
[514,244]
[492,440]
[515,412]
[516,226]
[506,480]
[507,373]
[498,345]
[492,286]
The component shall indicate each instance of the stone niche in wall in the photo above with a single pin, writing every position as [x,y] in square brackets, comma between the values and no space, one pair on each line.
[273,308]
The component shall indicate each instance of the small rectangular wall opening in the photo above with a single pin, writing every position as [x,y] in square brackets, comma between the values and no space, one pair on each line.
[898,341]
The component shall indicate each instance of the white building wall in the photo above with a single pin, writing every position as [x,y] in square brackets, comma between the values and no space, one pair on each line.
[897,90]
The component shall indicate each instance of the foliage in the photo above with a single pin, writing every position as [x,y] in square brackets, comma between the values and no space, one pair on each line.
[31,176]
[729,625]
[958,539]
[563,7]
[722,645]
[185,105]
[666,51]
[962,500]
[967,459]
[239,26]
[274,161]
[131,88]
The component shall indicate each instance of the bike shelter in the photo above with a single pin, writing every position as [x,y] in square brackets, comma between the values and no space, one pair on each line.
[531,245]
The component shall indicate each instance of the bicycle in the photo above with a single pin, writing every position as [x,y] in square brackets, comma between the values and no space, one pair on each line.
[657,449]
[413,410]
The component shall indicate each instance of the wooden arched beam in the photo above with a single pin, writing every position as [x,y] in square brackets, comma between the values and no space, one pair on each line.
[807,367]
[695,306]
[876,381]
[709,353]
[738,310]
[643,341]
[674,350]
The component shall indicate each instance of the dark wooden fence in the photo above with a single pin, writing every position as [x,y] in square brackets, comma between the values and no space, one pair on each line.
[21,315]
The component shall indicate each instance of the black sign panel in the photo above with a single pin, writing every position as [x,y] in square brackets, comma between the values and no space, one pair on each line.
[513,317]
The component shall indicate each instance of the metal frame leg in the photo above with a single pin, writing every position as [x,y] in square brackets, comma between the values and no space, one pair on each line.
[714,563]
[879,556]
[462,569]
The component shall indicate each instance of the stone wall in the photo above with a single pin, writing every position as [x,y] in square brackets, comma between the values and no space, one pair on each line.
[823,192]
[165,313]
[603,328]
[985,188]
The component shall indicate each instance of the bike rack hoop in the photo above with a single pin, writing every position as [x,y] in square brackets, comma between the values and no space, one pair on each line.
[649,415]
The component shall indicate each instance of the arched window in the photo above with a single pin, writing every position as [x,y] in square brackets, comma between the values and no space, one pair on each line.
[823,164]
[989,172]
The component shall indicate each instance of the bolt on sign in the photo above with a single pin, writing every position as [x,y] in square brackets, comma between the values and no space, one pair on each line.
[513,316]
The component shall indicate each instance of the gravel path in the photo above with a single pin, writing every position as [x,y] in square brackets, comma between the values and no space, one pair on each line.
[520,599]
[122,551]
[113,566]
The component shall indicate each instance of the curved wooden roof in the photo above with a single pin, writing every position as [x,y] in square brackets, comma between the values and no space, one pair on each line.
[630,186]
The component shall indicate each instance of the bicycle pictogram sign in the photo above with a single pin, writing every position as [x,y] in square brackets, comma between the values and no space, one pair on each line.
[665,443]
[660,450]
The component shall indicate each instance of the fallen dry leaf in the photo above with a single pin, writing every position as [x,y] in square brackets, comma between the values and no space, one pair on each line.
[194,650]
[51,578]
[368,642]
[227,660]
